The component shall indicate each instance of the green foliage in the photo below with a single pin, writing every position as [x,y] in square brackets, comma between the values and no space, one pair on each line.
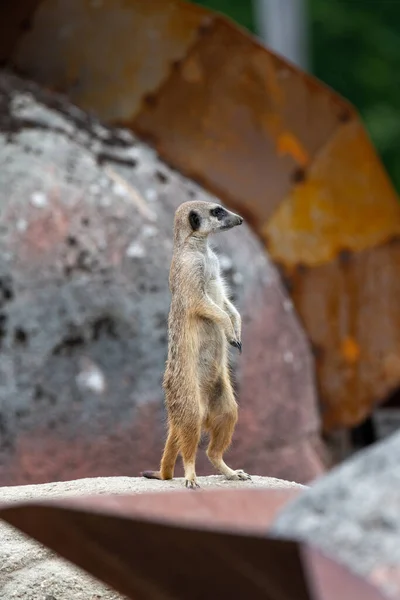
[355,50]
[238,10]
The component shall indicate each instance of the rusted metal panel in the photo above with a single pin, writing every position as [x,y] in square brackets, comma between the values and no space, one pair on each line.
[180,544]
[350,307]
[344,203]
[274,143]
[107,54]
[237,117]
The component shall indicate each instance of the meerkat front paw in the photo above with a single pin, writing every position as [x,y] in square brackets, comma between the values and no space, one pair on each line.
[236,344]
[191,484]
[239,475]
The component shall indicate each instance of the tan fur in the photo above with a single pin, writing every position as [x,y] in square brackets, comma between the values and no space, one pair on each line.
[202,322]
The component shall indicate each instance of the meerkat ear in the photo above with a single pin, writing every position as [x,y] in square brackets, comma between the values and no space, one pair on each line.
[194,220]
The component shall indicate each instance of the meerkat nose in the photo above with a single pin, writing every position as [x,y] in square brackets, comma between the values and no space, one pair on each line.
[240,220]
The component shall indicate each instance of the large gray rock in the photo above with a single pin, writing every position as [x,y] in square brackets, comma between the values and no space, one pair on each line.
[86,216]
[28,571]
[353,513]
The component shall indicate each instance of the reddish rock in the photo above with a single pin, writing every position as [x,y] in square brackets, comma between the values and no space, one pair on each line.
[85,247]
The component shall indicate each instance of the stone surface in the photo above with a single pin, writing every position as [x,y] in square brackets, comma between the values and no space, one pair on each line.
[353,514]
[86,217]
[29,571]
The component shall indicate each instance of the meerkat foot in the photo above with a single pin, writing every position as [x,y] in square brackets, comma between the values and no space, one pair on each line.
[191,484]
[238,475]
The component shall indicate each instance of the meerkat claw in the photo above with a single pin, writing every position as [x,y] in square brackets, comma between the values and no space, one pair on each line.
[236,344]
[243,475]
[191,484]
[239,475]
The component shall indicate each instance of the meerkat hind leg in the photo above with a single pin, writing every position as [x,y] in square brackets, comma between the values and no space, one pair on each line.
[168,460]
[170,455]
[221,425]
[189,438]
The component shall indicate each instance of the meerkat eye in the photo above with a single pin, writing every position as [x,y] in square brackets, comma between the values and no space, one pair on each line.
[218,212]
[194,220]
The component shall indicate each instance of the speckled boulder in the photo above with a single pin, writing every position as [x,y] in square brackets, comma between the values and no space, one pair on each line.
[86,218]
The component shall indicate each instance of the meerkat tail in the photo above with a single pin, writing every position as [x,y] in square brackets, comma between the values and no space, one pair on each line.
[151,474]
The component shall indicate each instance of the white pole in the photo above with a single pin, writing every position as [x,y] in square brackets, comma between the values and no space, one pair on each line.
[283,26]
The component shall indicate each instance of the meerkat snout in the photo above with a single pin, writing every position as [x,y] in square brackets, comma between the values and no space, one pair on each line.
[225,218]
[206,218]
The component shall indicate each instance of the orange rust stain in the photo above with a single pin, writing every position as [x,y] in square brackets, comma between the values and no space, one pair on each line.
[345,202]
[288,143]
[350,350]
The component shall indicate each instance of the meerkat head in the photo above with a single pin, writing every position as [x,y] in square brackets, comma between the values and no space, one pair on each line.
[204,218]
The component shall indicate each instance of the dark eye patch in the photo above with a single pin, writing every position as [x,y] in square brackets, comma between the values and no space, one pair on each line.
[194,220]
[218,212]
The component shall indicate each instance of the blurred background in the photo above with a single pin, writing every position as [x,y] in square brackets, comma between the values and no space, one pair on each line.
[112,113]
[351,45]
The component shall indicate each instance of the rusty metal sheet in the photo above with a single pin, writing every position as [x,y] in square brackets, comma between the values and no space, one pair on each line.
[351,325]
[278,146]
[237,117]
[143,548]
[106,54]
[344,203]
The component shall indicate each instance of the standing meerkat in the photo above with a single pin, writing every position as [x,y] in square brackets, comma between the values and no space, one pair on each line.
[202,322]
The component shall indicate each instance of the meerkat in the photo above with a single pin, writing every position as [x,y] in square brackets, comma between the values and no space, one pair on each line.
[202,323]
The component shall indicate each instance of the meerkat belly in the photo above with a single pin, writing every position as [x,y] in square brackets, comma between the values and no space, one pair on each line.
[212,339]
[211,347]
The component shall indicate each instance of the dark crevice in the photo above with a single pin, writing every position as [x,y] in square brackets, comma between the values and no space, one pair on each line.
[84,262]
[71,241]
[364,434]
[104,326]
[298,175]
[20,336]
[103,157]
[6,289]
[3,427]
[161,177]
[69,344]
[3,328]
[150,100]
[42,395]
